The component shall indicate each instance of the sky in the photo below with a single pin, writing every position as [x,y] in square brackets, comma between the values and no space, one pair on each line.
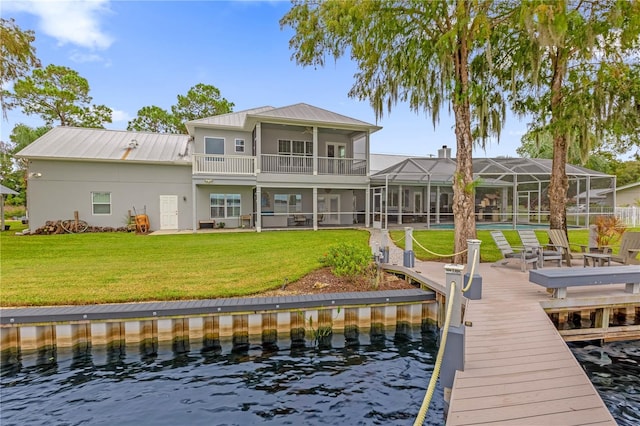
[142,53]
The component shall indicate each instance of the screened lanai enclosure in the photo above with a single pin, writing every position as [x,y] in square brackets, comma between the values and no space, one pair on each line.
[510,193]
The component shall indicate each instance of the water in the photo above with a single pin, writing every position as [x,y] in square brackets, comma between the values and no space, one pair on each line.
[614,370]
[380,382]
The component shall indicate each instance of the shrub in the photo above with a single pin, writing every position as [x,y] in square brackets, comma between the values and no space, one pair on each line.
[608,230]
[348,260]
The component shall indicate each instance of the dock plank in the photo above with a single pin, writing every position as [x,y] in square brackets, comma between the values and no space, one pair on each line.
[518,369]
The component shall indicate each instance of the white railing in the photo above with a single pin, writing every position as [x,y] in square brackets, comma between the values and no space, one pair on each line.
[287,164]
[629,215]
[342,166]
[224,164]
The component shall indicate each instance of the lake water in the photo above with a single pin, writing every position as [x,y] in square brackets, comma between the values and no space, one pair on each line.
[379,380]
[614,369]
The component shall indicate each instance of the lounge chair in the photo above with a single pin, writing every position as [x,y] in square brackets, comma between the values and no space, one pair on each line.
[629,249]
[522,254]
[558,238]
[545,251]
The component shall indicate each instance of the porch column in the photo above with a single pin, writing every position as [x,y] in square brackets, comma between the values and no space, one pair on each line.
[258,208]
[315,208]
[367,204]
[429,202]
[400,204]
[437,204]
[367,153]
[258,152]
[194,206]
[515,201]
[315,156]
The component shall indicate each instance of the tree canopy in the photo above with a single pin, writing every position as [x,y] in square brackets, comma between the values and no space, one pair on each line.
[429,54]
[59,95]
[571,69]
[17,54]
[201,101]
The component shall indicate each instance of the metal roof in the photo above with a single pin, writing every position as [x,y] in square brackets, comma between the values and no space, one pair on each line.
[299,114]
[7,191]
[74,143]
[491,170]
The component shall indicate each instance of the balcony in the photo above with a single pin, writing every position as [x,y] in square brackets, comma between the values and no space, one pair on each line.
[206,164]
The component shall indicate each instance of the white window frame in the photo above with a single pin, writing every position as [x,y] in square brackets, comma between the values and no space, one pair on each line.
[308,148]
[214,137]
[94,203]
[227,206]
[239,145]
[292,203]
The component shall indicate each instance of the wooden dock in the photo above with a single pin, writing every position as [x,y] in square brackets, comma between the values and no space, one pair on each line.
[518,369]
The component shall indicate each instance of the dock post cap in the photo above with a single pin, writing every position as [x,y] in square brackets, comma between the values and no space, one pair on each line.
[453,267]
[474,241]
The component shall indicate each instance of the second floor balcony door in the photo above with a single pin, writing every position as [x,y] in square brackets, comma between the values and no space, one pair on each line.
[336,154]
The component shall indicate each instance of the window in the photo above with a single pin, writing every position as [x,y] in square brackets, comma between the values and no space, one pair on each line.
[393,198]
[101,203]
[288,203]
[239,145]
[300,148]
[214,146]
[225,205]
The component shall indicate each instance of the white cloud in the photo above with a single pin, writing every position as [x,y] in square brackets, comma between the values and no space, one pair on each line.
[118,115]
[74,22]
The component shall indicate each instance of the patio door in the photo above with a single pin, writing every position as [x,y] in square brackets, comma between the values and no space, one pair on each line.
[168,212]
[329,208]
[377,208]
[335,153]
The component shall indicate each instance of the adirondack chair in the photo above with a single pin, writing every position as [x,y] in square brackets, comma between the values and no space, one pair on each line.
[559,238]
[545,251]
[524,255]
[629,249]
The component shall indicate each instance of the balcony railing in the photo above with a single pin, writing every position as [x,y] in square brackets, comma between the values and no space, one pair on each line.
[224,164]
[342,166]
[297,164]
[206,164]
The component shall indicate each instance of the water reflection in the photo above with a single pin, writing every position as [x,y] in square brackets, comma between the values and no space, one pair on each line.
[357,378]
[614,370]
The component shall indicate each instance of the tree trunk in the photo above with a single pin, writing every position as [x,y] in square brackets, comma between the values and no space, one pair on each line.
[558,184]
[464,219]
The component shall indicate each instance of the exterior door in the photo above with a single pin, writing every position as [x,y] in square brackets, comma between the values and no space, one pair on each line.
[329,208]
[168,212]
[336,152]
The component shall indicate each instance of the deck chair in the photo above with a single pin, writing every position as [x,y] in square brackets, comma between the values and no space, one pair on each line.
[629,249]
[545,251]
[522,254]
[558,238]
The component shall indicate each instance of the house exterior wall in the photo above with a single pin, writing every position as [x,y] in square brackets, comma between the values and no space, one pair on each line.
[66,186]
[270,136]
[628,196]
[229,140]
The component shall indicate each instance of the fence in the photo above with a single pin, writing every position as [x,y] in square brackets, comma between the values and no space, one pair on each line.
[629,215]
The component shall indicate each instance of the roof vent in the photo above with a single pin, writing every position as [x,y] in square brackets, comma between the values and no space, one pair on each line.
[444,152]
[133,144]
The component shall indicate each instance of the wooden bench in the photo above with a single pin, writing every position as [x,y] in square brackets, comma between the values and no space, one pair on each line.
[560,279]
[206,224]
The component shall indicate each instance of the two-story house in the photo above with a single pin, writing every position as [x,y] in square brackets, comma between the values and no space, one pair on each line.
[296,166]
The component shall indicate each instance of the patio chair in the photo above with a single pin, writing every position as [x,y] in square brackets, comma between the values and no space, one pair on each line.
[524,255]
[558,238]
[545,251]
[629,249]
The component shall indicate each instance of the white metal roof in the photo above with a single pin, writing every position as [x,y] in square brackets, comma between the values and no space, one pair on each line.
[74,143]
[297,114]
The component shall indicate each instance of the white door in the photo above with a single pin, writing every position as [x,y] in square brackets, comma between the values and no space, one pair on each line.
[168,212]
[329,208]
[377,209]
[336,152]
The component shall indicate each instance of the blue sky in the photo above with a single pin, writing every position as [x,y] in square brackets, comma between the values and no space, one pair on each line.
[140,53]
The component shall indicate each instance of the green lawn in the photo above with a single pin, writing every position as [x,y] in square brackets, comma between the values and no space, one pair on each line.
[119,267]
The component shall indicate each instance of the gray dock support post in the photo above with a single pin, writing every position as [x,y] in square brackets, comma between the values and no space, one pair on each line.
[409,258]
[475,292]
[384,245]
[453,358]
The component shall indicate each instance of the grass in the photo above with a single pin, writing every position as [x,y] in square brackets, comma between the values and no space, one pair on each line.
[69,269]
[441,242]
[118,267]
